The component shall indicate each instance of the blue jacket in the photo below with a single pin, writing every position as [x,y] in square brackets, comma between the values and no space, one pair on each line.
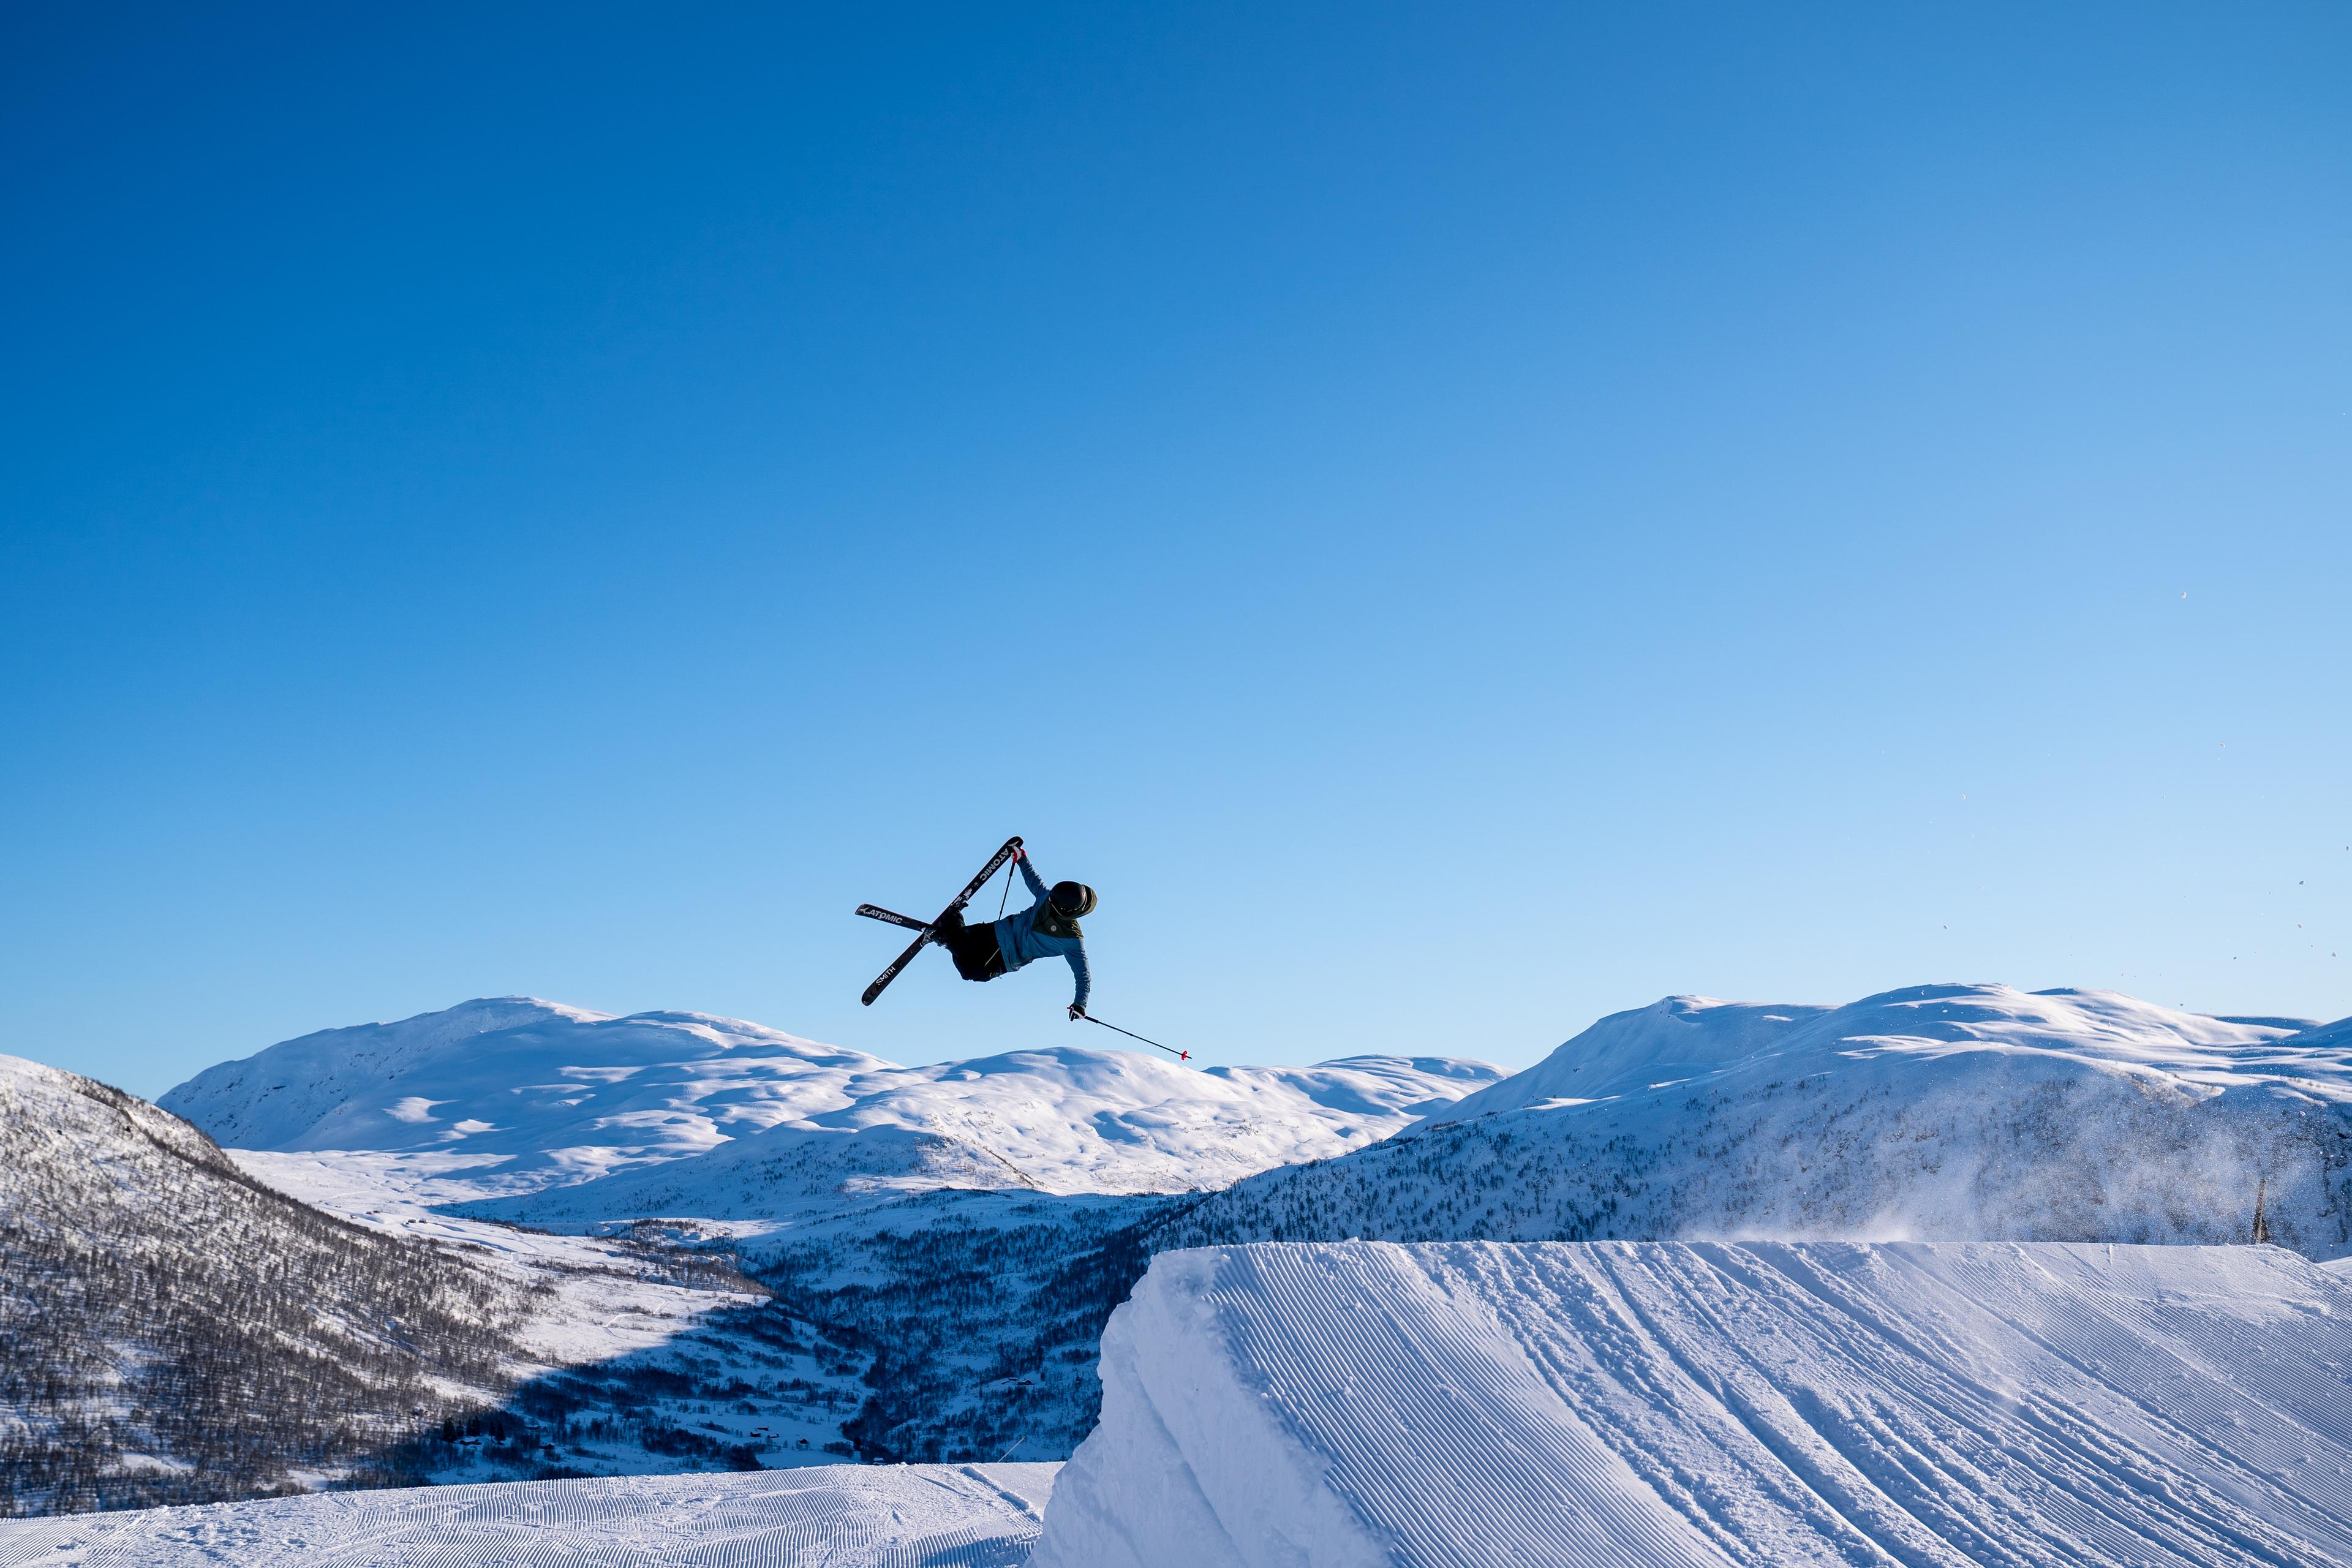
[1024,943]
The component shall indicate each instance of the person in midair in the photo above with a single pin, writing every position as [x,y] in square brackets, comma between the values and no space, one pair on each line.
[1046,929]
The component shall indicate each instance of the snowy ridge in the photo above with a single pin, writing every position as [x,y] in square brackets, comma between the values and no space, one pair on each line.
[1944,1112]
[541,1093]
[1079,1121]
[946,1242]
[840,1516]
[1341,1406]
[1688,1040]
[509,1097]
[270,1100]
[1067,1122]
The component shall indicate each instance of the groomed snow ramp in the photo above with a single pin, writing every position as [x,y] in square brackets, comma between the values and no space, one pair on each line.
[1346,1405]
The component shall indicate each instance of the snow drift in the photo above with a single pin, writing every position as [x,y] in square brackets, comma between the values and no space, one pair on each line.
[1340,1406]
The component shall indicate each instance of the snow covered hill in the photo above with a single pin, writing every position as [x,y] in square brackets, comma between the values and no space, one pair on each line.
[171,1330]
[511,1095]
[1940,1112]
[1685,1040]
[1358,1405]
[533,1093]
[832,1174]
[177,1324]
[766,1182]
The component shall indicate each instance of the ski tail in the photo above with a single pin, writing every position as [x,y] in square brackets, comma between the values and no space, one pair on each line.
[995,864]
[891,917]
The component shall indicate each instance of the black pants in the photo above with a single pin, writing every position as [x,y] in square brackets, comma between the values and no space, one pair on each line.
[977,953]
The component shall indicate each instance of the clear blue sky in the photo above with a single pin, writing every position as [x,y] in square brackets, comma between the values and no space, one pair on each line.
[1457,520]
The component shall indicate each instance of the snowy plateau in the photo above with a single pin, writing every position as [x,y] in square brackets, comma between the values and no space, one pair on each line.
[1951,1274]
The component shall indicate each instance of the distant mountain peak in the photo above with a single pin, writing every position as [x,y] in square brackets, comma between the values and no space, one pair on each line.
[535,1094]
[1682,1038]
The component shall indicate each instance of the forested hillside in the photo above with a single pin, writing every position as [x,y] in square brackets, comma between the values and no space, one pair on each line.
[172,1332]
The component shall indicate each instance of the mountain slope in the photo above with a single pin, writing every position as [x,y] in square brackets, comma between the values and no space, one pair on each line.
[1076,1121]
[1688,1040]
[536,1093]
[839,1178]
[512,1096]
[766,1182]
[1953,1112]
[170,1330]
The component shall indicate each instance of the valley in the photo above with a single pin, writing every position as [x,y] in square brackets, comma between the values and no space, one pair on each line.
[701,1244]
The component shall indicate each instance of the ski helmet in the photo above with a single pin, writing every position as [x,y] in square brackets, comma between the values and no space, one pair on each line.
[1072,899]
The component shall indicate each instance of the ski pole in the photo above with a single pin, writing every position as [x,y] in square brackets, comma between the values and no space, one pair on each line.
[1130,1034]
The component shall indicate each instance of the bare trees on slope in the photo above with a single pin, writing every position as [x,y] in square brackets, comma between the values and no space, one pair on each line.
[171,1331]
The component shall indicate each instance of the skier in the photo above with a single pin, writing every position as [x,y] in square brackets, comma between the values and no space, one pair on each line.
[1046,929]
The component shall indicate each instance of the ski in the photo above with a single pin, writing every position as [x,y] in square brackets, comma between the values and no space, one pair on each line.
[995,864]
[891,917]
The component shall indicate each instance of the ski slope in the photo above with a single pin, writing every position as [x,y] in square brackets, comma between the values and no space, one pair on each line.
[840,1516]
[510,1096]
[1340,1406]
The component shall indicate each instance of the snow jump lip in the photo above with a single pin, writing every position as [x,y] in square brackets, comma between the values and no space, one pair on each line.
[1331,1405]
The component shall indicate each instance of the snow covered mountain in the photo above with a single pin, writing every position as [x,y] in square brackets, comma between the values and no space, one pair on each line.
[969,1226]
[172,1331]
[510,1096]
[1955,1112]
[529,1093]
[766,1181]
[178,1325]
[1948,1111]
[1686,1040]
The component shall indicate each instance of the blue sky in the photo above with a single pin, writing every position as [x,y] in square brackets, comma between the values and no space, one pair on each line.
[1455,524]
